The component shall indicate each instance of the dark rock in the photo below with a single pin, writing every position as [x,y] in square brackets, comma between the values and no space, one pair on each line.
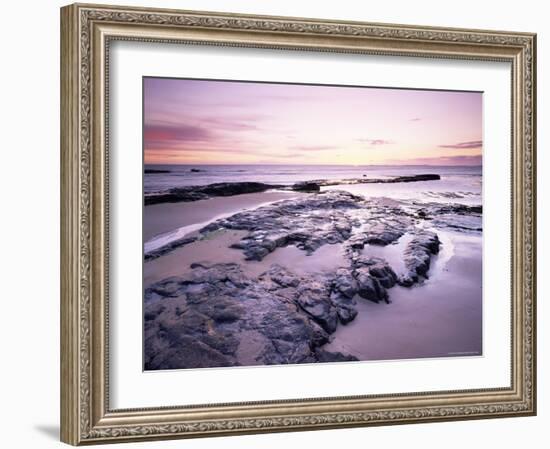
[345,307]
[283,277]
[323,355]
[460,222]
[460,217]
[379,231]
[168,287]
[416,178]
[203,319]
[345,283]
[383,232]
[306,186]
[148,316]
[379,269]
[346,314]
[362,180]
[322,313]
[307,222]
[169,247]
[195,193]
[256,252]
[368,286]
[358,241]
[196,355]
[314,298]
[155,170]
[418,255]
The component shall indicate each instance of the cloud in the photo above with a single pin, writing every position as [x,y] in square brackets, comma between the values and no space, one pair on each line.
[415,119]
[237,124]
[204,151]
[209,132]
[312,147]
[449,160]
[285,156]
[464,145]
[376,142]
[169,134]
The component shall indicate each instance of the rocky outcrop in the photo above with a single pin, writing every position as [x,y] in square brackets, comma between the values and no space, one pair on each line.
[378,233]
[459,217]
[418,256]
[371,277]
[307,222]
[151,171]
[169,247]
[216,316]
[365,180]
[323,355]
[195,193]
[306,186]
[416,178]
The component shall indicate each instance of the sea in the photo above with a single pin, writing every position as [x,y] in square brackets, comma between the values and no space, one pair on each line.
[461,184]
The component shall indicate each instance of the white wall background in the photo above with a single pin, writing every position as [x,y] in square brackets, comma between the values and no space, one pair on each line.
[29,225]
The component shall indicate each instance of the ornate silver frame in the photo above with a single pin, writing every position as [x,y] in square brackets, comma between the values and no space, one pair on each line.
[87,31]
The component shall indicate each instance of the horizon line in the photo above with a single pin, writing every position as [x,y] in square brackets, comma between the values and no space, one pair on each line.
[320,165]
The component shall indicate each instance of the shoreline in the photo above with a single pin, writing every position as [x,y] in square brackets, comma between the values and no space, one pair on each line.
[317,277]
[321,263]
[166,217]
[422,321]
[228,189]
[439,318]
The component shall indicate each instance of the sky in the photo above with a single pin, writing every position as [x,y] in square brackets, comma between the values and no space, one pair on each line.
[228,122]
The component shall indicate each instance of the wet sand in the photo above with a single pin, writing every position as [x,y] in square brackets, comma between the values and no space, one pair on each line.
[439,318]
[326,259]
[393,253]
[161,218]
[214,249]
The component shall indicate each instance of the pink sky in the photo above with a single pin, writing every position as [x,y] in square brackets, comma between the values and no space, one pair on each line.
[222,122]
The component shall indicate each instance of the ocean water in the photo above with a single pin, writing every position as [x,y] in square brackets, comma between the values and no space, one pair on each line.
[462,184]
[457,185]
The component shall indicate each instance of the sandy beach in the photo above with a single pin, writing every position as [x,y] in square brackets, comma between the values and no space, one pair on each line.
[161,218]
[292,277]
[439,318]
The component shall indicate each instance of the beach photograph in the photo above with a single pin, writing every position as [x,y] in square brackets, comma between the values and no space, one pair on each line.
[301,223]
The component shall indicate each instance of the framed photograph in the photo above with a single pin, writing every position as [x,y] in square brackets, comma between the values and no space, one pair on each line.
[278,224]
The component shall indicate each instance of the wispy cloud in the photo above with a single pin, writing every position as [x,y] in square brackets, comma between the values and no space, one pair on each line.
[245,123]
[285,156]
[205,150]
[312,147]
[464,145]
[163,134]
[207,131]
[449,160]
[376,142]
[415,119]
